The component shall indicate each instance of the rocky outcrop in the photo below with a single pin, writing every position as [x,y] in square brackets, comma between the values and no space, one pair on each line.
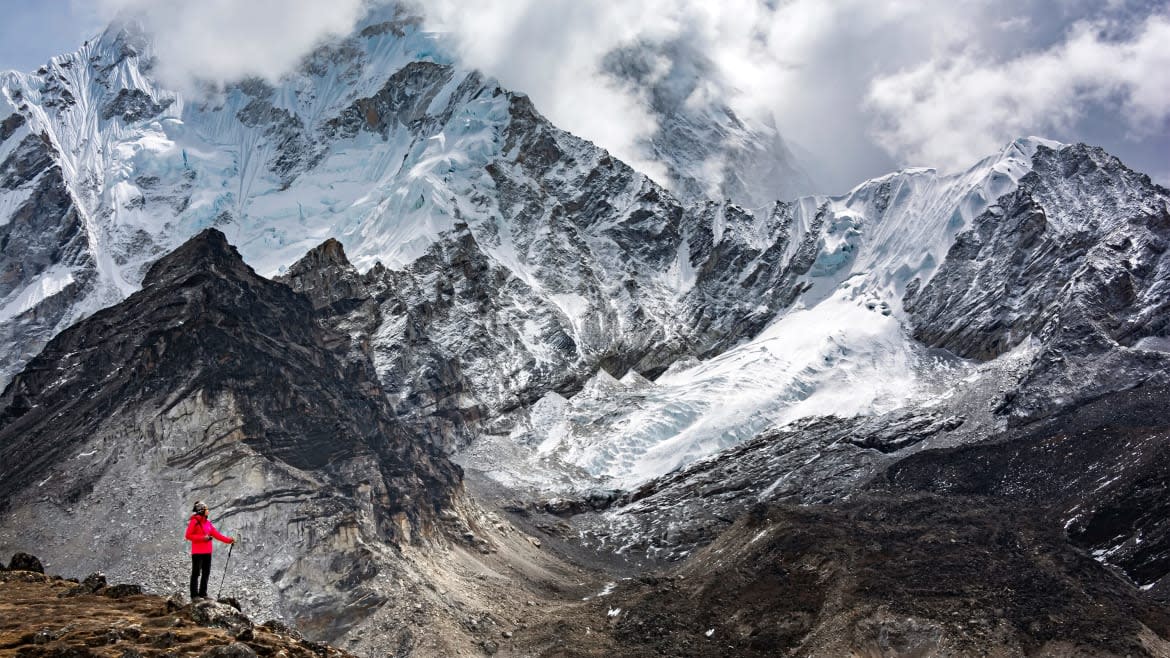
[131,105]
[204,322]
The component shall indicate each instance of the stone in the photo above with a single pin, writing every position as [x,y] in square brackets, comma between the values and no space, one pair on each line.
[122,590]
[94,581]
[280,628]
[218,615]
[25,562]
[233,650]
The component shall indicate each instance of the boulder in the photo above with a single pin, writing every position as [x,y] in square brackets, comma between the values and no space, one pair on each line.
[25,562]
[122,590]
[233,650]
[94,581]
[218,615]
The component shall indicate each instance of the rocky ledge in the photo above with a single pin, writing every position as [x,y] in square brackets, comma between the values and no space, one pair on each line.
[49,616]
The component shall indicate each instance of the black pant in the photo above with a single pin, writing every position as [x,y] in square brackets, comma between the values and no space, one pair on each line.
[200,570]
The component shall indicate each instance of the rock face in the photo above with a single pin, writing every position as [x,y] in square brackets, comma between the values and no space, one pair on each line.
[46,262]
[214,383]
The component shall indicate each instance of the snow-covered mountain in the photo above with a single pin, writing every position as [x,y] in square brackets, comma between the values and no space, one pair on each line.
[843,346]
[379,140]
[439,264]
[495,262]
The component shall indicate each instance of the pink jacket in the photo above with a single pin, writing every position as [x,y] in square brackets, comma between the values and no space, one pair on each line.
[199,533]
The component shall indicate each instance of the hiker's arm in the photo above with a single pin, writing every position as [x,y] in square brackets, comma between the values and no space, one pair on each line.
[223,538]
[192,535]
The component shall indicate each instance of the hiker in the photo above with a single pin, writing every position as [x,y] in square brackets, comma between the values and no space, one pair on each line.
[200,532]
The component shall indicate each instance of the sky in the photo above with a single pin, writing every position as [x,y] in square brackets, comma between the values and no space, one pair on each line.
[857,87]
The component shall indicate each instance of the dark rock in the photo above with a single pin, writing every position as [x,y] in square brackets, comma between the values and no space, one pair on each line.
[491,647]
[1102,471]
[30,158]
[285,131]
[403,100]
[164,640]
[280,628]
[132,105]
[1066,259]
[122,590]
[25,562]
[218,615]
[10,125]
[94,581]
[233,650]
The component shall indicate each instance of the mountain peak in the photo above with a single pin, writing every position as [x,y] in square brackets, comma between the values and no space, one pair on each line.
[207,250]
[329,253]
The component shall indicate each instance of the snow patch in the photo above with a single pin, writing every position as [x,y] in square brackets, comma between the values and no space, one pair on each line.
[43,287]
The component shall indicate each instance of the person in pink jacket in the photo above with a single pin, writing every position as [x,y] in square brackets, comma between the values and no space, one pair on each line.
[200,532]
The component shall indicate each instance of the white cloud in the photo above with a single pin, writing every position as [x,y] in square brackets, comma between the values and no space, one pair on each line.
[553,50]
[948,111]
[225,40]
[840,78]
[862,86]
[803,63]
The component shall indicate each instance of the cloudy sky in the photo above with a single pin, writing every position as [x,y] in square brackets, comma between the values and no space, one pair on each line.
[860,86]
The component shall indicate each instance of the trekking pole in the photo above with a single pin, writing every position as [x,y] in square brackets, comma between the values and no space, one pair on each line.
[225,569]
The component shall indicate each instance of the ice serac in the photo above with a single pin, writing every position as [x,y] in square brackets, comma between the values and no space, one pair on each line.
[212,382]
